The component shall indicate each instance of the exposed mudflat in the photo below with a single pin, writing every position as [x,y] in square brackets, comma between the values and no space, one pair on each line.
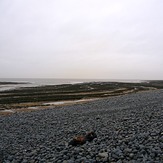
[36,96]
[129,128]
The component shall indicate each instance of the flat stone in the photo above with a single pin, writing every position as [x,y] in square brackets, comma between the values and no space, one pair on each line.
[103,155]
[127,150]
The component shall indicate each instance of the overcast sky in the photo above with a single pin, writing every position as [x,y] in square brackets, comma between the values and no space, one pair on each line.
[102,39]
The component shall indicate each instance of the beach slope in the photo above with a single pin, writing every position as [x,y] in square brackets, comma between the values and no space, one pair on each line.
[129,128]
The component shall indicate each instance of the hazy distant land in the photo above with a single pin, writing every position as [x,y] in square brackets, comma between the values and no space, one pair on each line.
[11,83]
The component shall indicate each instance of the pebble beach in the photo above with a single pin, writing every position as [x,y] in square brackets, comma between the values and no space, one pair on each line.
[129,129]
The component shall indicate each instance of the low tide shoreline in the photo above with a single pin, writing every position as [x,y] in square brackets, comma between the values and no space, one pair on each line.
[33,98]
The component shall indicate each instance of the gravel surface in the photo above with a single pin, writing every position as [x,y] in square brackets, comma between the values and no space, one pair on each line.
[129,128]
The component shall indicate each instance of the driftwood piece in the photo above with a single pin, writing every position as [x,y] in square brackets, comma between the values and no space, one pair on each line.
[80,140]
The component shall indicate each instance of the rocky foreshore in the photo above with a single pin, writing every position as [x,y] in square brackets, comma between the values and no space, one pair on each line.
[129,128]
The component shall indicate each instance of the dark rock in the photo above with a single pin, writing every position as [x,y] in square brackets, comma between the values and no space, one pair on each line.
[1,156]
[90,136]
[127,150]
[10,158]
[24,161]
[118,152]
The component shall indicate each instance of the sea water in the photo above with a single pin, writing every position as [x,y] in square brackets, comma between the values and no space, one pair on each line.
[33,82]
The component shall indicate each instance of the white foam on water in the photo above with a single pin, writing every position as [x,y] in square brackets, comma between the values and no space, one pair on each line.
[8,111]
[33,108]
[55,103]
[68,102]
